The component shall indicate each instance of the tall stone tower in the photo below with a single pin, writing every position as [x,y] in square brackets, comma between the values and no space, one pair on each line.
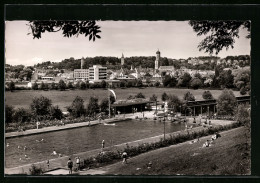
[157,60]
[122,59]
[82,63]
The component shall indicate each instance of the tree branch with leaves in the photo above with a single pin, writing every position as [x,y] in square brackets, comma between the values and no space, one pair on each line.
[219,34]
[69,28]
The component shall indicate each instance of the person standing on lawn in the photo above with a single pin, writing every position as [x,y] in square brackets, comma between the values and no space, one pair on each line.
[103,144]
[70,165]
[124,156]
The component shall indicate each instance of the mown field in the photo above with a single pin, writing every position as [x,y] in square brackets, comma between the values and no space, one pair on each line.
[227,156]
[64,98]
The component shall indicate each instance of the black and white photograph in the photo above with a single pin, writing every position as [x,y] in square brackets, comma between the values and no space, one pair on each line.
[105,97]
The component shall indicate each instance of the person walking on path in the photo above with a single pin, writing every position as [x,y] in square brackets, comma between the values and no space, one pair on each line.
[48,164]
[70,165]
[78,163]
[103,144]
[124,156]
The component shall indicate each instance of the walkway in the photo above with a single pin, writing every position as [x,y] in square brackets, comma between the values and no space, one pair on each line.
[62,161]
[58,128]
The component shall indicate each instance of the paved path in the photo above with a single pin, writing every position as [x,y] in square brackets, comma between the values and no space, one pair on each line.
[58,128]
[62,161]
[121,117]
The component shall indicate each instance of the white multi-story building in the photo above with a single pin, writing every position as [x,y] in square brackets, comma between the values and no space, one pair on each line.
[81,74]
[97,73]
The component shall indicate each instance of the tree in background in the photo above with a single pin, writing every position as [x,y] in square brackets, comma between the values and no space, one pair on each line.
[243,91]
[226,103]
[226,79]
[40,106]
[83,85]
[195,83]
[62,85]
[188,96]
[184,81]
[139,83]
[68,28]
[77,109]
[78,85]
[174,102]
[153,98]
[207,95]
[70,85]
[9,110]
[242,79]
[130,97]
[139,95]
[53,86]
[35,86]
[92,107]
[104,106]
[157,84]
[22,115]
[55,112]
[42,86]
[103,84]
[219,34]
[165,96]
[11,86]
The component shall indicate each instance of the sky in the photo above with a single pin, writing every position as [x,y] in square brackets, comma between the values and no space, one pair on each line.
[174,39]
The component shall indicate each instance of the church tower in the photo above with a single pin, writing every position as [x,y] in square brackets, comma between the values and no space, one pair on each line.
[122,59]
[82,63]
[157,60]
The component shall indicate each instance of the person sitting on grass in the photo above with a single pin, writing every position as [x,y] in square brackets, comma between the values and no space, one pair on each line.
[54,152]
[206,144]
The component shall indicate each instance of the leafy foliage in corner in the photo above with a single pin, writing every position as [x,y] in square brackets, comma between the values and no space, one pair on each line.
[68,28]
[220,34]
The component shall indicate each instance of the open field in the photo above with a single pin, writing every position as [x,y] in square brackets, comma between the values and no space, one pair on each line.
[64,98]
[227,156]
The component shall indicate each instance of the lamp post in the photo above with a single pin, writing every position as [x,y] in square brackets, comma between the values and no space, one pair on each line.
[164,126]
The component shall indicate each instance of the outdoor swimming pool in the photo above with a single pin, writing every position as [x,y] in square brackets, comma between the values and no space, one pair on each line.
[72,141]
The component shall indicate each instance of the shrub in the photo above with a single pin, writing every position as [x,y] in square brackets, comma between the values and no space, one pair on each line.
[196,83]
[35,86]
[139,95]
[243,91]
[243,115]
[77,109]
[164,96]
[11,86]
[188,96]
[157,84]
[70,85]
[226,103]
[207,95]
[62,85]
[40,106]
[34,170]
[22,115]
[92,107]
[55,112]
[9,110]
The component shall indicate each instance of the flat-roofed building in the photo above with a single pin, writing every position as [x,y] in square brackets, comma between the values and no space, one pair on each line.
[81,74]
[97,72]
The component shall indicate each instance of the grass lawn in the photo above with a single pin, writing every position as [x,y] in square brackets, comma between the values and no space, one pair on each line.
[227,156]
[64,98]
